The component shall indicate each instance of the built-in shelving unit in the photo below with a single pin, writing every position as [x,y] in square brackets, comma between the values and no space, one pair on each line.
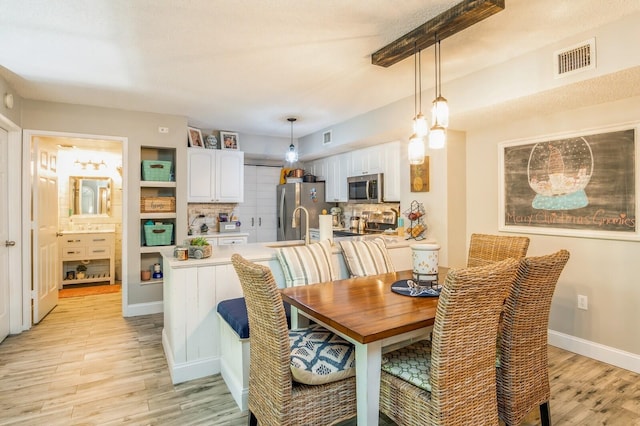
[150,254]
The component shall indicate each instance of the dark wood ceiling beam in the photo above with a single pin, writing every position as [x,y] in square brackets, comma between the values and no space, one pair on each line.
[449,22]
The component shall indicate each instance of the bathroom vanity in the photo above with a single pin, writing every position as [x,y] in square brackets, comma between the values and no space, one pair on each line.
[95,249]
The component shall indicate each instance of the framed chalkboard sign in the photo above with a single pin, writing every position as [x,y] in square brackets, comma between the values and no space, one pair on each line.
[582,185]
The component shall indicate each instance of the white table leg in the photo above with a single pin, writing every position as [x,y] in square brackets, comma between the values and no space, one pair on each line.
[368,359]
[298,320]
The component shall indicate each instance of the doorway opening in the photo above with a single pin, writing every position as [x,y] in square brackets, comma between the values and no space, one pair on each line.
[79,241]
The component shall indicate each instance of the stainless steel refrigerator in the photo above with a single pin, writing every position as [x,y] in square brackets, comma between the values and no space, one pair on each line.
[303,194]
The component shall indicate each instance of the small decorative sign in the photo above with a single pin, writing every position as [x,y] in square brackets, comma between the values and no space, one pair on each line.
[420,176]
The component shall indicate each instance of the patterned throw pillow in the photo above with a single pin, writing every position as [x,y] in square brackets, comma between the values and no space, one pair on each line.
[304,265]
[366,257]
[318,356]
[411,363]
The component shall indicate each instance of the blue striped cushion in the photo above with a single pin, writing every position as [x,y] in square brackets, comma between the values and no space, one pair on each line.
[366,257]
[304,265]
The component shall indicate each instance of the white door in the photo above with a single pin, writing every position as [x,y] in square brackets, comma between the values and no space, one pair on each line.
[267,179]
[44,267]
[5,244]
[247,209]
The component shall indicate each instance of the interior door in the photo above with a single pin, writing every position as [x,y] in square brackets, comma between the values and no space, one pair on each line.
[45,263]
[5,244]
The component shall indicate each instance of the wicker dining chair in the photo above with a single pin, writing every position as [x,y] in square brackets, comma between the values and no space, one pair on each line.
[461,356]
[274,397]
[522,374]
[485,248]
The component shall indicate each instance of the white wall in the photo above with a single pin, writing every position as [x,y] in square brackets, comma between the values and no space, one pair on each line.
[606,271]
[141,129]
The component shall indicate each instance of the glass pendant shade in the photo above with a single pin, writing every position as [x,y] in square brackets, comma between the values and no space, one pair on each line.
[292,154]
[420,125]
[416,149]
[440,112]
[437,137]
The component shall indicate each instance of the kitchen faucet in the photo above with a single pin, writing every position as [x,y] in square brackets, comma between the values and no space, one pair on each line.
[293,223]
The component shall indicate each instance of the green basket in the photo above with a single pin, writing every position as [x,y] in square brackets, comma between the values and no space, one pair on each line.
[158,235]
[156,170]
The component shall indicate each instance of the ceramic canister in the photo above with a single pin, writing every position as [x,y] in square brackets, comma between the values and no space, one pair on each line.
[425,259]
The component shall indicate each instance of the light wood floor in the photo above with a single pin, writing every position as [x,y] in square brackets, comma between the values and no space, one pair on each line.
[85,364]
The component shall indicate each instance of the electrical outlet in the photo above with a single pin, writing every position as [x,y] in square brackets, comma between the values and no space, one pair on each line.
[583,302]
[163,129]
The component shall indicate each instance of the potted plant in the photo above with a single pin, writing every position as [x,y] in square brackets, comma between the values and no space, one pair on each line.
[199,248]
[80,270]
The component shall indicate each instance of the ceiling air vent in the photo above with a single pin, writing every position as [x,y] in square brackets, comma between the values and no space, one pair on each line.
[573,59]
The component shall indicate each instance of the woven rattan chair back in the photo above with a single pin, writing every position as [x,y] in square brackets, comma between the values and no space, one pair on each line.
[463,354]
[485,249]
[274,398]
[523,379]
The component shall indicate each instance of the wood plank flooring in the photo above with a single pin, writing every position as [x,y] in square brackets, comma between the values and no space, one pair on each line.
[87,365]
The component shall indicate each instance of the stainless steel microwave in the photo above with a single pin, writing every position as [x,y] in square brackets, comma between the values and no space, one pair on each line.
[366,188]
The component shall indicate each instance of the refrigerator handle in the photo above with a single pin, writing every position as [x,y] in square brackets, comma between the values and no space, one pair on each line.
[281,214]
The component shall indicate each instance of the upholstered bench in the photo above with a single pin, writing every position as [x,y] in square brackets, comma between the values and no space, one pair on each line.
[234,347]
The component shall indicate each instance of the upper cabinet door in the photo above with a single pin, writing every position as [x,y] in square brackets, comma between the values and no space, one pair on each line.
[367,161]
[200,184]
[229,176]
[215,176]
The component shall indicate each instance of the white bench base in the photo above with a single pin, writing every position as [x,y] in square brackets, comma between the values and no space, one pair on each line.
[234,363]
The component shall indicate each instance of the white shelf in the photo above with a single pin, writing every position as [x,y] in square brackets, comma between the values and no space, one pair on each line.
[165,215]
[154,249]
[157,184]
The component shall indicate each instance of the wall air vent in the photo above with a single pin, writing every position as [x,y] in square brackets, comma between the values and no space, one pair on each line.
[326,137]
[573,59]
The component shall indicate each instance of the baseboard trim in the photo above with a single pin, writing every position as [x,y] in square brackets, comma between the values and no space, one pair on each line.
[185,371]
[148,308]
[616,357]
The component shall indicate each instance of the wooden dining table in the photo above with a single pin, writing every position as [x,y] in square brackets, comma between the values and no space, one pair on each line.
[367,313]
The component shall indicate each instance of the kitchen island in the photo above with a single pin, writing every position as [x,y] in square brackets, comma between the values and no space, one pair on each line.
[193,288]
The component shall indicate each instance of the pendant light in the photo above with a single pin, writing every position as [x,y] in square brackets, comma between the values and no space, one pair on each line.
[292,154]
[440,109]
[420,127]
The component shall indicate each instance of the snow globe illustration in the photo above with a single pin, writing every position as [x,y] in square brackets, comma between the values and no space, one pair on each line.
[558,171]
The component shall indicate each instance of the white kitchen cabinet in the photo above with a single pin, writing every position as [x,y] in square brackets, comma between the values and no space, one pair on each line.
[367,161]
[391,171]
[338,167]
[258,213]
[318,168]
[215,176]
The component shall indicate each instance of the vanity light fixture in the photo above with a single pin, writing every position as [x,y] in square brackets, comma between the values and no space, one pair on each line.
[292,154]
[95,164]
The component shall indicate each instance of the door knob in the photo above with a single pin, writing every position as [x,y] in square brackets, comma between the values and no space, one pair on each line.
[9,243]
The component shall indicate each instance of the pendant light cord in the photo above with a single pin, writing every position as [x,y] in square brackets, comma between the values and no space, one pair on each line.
[420,78]
[415,87]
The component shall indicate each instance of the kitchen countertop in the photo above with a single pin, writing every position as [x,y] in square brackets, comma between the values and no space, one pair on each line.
[218,234]
[257,252]
[87,231]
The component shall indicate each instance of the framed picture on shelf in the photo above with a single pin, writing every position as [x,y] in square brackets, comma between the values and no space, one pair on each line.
[195,138]
[229,140]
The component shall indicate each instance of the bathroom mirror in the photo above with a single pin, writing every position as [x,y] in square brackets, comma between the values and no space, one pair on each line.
[89,196]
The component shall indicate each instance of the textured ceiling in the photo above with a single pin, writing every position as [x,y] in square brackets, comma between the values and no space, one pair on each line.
[247,65]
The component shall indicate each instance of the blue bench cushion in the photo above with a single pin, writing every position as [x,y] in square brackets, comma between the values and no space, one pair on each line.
[234,312]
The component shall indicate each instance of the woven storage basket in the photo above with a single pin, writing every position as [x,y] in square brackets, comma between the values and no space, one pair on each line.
[158,235]
[157,204]
[156,170]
